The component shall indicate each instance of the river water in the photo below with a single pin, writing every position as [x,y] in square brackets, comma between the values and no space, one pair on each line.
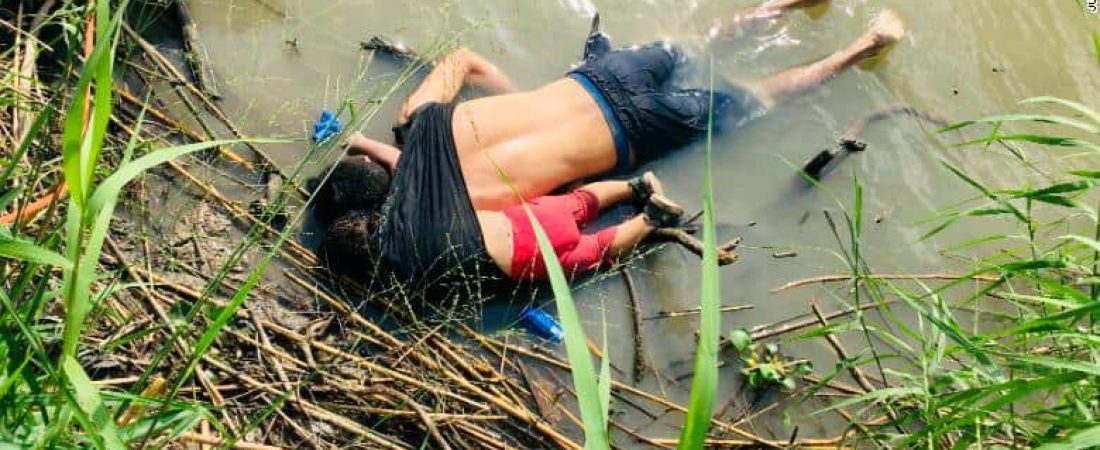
[281,61]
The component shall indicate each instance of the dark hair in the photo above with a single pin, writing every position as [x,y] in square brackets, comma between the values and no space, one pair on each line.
[348,247]
[355,183]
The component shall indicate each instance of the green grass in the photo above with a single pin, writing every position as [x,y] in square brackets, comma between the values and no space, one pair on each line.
[44,388]
[1021,368]
[704,385]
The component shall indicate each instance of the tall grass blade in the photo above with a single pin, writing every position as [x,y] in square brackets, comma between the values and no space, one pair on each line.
[1040,118]
[100,424]
[1042,139]
[704,385]
[985,191]
[951,330]
[18,249]
[76,145]
[1092,114]
[1088,438]
[603,384]
[585,382]
[112,186]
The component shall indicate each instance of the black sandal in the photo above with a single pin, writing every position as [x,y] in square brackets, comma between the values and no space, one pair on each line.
[659,211]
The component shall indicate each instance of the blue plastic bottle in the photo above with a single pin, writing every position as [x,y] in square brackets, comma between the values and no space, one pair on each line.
[542,325]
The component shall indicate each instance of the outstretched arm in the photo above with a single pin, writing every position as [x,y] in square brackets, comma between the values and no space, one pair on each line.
[455,70]
[382,153]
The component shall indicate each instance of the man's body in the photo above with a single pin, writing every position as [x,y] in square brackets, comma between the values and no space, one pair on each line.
[513,146]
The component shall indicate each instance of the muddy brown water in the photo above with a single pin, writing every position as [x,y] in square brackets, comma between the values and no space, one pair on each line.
[962,59]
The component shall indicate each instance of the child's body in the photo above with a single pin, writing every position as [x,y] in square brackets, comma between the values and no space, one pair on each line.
[513,245]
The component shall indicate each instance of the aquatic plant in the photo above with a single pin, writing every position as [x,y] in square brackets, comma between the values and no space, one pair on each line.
[765,367]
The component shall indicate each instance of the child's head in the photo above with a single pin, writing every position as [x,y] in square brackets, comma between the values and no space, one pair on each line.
[356,183]
[348,248]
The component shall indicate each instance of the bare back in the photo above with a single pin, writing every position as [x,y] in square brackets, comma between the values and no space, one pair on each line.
[540,140]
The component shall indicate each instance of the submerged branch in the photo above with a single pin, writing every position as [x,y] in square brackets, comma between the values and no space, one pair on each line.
[886,276]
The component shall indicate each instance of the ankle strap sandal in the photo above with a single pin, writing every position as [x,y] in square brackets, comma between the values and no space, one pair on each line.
[659,211]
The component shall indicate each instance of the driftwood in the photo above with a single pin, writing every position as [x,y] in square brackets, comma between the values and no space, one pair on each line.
[695,312]
[198,59]
[641,361]
[768,331]
[884,276]
[727,253]
[857,374]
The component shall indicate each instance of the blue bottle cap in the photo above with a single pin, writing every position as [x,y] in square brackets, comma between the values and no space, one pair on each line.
[542,324]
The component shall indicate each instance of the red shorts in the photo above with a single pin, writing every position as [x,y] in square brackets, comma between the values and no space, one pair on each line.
[561,217]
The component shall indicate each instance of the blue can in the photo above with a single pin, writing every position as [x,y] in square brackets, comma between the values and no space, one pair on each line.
[542,325]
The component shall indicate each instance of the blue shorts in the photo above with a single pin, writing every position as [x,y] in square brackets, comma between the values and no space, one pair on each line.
[639,100]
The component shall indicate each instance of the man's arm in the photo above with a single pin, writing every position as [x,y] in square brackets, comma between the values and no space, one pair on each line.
[455,70]
[384,154]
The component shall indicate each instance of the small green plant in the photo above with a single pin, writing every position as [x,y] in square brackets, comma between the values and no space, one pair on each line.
[766,368]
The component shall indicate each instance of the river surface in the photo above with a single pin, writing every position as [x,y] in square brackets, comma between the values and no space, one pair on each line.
[281,61]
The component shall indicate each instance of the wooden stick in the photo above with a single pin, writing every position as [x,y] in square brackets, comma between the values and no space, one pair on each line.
[544,402]
[213,440]
[436,417]
[835,385]
[908,276]
[726,255]
[801,444]
[210,105]
[429,423]
[768,331]
[163,117]
[835,343]
[696,311]
[153,390]
[30,211]
[641,361]
[309,408]
[195,52]
[385,371]
[116,381]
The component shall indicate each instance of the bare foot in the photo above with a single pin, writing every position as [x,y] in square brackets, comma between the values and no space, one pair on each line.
[886,29]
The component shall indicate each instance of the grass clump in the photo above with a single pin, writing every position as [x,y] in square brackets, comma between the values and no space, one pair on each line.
[1014,361]
[45,388]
